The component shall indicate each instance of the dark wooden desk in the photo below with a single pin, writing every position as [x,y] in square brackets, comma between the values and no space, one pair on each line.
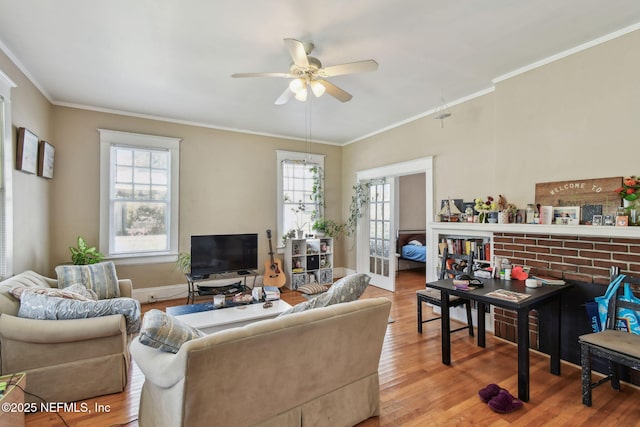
[547,296]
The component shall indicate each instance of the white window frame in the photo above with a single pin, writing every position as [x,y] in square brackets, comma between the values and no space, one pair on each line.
[282,155]
[6,179]
[109,138]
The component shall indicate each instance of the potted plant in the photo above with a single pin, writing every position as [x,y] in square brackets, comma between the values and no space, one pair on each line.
[85,254]
[629,190]
[288,235]
[320,226]
[328,227]
[183,263]
[299,212]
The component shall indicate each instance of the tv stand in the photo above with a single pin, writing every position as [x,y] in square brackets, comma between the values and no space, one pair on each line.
[193,291]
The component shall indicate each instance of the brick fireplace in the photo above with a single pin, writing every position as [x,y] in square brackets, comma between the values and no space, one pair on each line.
[577,259]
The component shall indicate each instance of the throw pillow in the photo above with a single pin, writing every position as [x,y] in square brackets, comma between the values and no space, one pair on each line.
[349,288]
[45,307]
[164,332]
[312,288]
[100,278]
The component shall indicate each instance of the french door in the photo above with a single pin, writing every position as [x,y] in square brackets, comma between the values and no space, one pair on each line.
[380,262]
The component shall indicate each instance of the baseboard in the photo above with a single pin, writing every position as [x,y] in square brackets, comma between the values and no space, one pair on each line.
[160,293]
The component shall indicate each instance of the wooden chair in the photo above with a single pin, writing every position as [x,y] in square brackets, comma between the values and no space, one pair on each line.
[452,265]
[618,347]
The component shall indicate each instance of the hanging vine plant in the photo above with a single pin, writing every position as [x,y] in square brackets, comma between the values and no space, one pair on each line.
[358,206]
[317,192]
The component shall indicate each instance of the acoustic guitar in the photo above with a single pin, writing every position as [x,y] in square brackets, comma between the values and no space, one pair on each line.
[273,275]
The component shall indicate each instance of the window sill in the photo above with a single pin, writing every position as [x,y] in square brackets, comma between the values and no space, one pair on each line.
[136,259]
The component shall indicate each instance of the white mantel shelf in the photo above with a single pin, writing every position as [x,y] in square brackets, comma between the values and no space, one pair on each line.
[564,230]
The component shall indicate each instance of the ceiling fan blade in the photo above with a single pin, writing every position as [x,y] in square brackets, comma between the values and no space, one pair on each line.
[284,75]
[349,68]
[284,97]
[297,52]
[335,91]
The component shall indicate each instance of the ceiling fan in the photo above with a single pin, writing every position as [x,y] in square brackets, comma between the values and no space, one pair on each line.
[307,73]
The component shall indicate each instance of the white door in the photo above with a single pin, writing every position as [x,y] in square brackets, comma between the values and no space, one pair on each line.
[381,255]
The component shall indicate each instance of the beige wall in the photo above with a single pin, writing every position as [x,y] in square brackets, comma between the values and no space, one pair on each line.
[574,118]
[31,194]
[411,202]
[227,184]
[466,138]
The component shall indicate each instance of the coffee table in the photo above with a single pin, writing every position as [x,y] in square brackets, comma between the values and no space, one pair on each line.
[210,320]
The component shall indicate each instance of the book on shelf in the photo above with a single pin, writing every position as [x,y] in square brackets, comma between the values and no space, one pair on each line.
[548,280]
[464,246]
[441,247]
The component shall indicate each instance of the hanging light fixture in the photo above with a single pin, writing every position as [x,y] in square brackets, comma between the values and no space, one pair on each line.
[301,95]
[317,88]
[297,85]
[442,112]
[300,86]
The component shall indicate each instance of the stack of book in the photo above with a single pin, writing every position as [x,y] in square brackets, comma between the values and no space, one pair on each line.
[271,293]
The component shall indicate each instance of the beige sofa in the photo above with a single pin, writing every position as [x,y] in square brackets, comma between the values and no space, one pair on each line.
[314,368]
[65,360]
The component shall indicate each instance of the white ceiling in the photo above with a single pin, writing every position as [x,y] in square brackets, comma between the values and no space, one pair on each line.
[172,59]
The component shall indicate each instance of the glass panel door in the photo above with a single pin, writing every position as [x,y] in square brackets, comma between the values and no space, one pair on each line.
[381,254]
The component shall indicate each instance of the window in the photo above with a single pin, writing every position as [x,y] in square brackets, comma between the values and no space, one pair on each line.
[6,186]
[139,195]
[299,179]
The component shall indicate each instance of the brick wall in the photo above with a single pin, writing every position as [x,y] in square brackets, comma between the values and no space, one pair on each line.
[572,258]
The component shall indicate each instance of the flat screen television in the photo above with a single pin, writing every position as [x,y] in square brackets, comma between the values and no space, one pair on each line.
[223,253]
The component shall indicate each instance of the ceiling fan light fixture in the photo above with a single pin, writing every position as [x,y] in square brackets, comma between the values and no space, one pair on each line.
[317,88]
[297,85]
[301,95]
[307,72]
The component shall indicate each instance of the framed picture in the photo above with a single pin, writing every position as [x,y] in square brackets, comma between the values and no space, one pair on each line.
[622,221]
[597,220]
[589,212]
[566,215]
[45,159]
[27,152]
[607,219]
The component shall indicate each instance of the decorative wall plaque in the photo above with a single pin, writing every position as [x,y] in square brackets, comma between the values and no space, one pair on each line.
[581,192]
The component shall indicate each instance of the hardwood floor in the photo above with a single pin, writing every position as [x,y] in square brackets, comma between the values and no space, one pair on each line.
[418,390]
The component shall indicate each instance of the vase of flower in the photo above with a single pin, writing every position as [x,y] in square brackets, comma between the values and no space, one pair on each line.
[484,207]
[629,190]
[503,217]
